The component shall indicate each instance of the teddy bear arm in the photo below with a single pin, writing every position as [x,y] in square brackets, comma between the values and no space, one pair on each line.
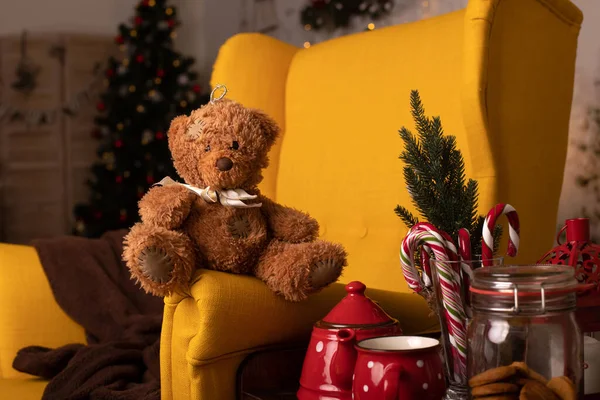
[166,206]
[290,225]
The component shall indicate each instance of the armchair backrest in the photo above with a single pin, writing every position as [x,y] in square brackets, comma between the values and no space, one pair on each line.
[499,74]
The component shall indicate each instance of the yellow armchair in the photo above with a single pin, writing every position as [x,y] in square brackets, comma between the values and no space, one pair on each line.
[500,75]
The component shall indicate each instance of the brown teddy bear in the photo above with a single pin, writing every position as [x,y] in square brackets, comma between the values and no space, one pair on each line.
[219,220]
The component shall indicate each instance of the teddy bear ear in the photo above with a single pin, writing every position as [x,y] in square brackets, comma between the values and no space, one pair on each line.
[269,127]
[178,126]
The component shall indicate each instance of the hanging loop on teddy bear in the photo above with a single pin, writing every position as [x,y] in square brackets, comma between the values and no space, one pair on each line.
[212,94]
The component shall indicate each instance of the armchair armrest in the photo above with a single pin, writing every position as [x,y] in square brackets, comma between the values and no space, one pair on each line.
[29,315]
[210,330]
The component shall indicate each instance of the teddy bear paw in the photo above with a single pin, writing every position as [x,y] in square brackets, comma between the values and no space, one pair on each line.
[156,264]
[325,272]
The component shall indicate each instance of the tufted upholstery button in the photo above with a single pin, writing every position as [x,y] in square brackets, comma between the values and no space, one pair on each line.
[364,233]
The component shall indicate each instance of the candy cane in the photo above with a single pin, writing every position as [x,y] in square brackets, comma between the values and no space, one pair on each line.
[487,241]
[451,299]
[448,243]
[465,255]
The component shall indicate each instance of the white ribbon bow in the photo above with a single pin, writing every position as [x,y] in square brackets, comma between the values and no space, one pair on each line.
[229,197]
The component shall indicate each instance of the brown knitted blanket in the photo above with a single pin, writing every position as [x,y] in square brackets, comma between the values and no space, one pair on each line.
[122,323]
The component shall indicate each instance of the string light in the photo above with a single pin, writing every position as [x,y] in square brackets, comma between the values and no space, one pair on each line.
[125,61]
[152,3]
[140,108]
[169,11]
[152,93]
[133,33]
[120,126]
[371,26]
[173,35]
[132,88]
[183,103]
[157,81]
[307,27]
[122,47]
[126,174]
[306,45]
[176,63]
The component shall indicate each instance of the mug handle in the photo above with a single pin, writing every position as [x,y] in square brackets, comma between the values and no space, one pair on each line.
[392,373]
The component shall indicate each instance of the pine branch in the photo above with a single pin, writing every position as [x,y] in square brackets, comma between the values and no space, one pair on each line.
[406,216]
[435,177]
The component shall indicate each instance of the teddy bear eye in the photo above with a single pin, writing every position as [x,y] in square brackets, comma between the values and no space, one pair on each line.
[235,145]
[207,148]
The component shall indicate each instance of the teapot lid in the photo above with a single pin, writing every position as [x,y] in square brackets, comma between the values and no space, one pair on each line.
[356,309]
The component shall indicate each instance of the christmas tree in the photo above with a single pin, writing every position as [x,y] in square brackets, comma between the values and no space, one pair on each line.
[145,89]
[435,177]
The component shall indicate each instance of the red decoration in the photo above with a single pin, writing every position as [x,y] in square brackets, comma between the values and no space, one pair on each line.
[159,135]
[110,72]
[146,3]
[101,106]
[150,179]
[119,39]
[578,251]
[329,362]
[138,20]
[119,179]
[196,88]
[318,3]
[98,214]
[160,72]
[582,254]
[139,58]
[119,143]
[123,217]
[171,23]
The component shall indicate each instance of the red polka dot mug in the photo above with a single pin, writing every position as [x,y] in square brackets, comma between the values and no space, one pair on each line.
[399,367]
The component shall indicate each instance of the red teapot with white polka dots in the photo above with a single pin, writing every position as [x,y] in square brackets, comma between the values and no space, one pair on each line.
[328,367]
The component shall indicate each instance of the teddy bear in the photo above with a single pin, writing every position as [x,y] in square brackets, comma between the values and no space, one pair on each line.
[218,219]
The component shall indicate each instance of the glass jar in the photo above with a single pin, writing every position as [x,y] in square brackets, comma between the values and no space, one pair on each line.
[526,314]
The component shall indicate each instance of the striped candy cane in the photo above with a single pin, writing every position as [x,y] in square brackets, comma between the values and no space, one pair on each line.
[448,243]
[487,245]
[450,298]
[465,255]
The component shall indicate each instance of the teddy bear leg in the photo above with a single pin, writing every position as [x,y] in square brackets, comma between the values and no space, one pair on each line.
[295,270]
[161,260]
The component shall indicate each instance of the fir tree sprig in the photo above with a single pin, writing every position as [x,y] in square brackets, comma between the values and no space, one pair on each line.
[436,180]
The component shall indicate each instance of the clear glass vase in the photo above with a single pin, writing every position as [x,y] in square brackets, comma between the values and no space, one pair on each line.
[455,355]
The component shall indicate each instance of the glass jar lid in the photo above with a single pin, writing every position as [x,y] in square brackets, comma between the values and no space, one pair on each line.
[533,289]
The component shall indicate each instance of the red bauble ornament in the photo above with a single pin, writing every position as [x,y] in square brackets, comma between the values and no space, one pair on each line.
[159,135]
[101,106]
[98,214]
[150,179]
[139,58]
[118,143]
[119,39]
[160,72]
[146,3]
[138,20]
[171,23]
[196,88]
[119,179]
[110,72]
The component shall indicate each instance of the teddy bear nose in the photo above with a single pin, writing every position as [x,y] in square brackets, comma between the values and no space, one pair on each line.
[224,164]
